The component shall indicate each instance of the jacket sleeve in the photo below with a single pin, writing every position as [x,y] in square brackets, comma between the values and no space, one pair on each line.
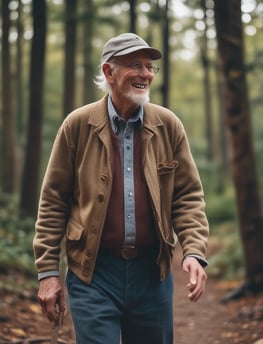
[55,198]
[188,205]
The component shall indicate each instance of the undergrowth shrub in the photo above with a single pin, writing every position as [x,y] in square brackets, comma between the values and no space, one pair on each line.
[16,235]
[226,260]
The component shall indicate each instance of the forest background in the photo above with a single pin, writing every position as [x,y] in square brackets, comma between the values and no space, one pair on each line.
[50,53]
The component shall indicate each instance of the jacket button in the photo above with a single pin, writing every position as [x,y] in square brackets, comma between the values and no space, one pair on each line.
[100,197]
[103,178]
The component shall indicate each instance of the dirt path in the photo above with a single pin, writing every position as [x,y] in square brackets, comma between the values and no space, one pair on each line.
[200,322]
[209,321]
[205,322]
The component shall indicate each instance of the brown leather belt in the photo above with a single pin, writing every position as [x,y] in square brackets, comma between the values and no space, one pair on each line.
[129,252]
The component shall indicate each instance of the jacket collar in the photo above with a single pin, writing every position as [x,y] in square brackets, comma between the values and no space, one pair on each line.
[152,119]
[99,116]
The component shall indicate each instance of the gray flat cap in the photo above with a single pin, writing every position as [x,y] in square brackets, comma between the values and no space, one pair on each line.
[127,43]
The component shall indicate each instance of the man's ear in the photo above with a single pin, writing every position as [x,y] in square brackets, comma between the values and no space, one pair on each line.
[107,70]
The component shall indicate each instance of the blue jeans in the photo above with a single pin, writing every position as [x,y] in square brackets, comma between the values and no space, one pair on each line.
[124,298]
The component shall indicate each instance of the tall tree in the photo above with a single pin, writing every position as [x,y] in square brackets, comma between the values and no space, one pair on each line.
[89,9]
[30,178]
[238,120]
[70,55]
[8,163]
[223,169]
[165,25]
[19,68]
[133,15]
[207,85]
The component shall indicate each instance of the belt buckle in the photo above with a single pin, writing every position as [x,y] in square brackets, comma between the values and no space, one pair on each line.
[128,252]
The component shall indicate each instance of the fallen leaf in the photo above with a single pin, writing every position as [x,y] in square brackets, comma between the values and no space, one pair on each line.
[18,332]
[35,308]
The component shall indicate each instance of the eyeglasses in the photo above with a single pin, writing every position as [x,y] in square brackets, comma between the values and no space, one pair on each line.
[139,66]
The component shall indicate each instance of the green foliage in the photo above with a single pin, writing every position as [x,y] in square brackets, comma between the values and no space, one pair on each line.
[227,261]
[16,235]
[220,208]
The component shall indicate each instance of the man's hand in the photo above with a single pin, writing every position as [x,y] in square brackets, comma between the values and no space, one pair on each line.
[51,293]
[197,278]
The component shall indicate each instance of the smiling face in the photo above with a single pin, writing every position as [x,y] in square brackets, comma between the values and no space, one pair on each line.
[130,85]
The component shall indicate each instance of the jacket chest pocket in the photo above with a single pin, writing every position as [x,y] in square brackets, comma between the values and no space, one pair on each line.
[165,168]
[166,174]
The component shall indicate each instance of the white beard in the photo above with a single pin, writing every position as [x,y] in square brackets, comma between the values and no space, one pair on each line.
[139,99]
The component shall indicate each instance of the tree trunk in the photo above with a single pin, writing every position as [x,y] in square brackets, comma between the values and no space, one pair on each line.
[30,179]
[70,56]
[231,52]
[88,28]
[166,55]
[207,89]
[223,169]
[9,156]
[133,15]
[19,70]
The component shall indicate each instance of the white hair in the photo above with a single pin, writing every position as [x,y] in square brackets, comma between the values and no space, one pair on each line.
[102,83]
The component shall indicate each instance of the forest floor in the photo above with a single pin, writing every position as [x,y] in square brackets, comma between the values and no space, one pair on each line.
[209,321]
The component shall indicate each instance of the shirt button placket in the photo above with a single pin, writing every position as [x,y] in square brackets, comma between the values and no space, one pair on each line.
[129,205]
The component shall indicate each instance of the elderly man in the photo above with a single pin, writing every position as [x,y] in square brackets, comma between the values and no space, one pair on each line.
[121,186]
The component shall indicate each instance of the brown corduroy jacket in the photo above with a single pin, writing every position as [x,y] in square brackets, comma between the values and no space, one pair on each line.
[77,187]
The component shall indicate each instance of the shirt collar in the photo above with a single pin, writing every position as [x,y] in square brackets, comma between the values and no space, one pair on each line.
[115,118]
